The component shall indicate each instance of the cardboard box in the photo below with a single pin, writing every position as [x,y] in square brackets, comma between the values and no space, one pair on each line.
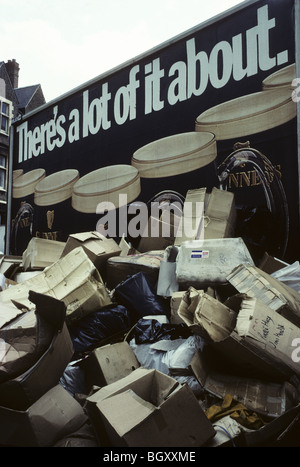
[121,267]
[249,279]
[206,316]
[22,344]
[97,247]
[37,355]
[20,392]
[41,253]
[174,306]
[54,415]
[157,235]
[109,363]
[149,408]
[241,356]
[269,331]
[263,397]
[207,215]
[73,279]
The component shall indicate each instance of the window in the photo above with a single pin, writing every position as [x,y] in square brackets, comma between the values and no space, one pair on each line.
[5,115]
[2,179]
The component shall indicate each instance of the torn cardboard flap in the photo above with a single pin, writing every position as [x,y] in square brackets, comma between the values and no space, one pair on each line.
[8,313]
[97,247]
[134,411]
[206,315]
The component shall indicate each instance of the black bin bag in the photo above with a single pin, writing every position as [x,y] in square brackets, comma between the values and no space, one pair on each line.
[138,295]
[98,328]
[151,330]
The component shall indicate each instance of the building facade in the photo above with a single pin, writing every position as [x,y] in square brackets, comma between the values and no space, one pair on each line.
[14,102]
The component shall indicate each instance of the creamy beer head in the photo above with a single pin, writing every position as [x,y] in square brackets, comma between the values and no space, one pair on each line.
[112,185]
[175,155]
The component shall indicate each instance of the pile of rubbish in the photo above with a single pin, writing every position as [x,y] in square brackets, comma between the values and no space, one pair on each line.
[177,343]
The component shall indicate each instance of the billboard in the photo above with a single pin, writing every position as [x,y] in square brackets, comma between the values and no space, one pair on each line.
[214,106]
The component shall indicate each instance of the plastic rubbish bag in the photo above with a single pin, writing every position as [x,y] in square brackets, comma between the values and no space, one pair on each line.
[151,330]
[170,356]
[73,379]
[167,283]
[289,275]
[93,329]
[138,295]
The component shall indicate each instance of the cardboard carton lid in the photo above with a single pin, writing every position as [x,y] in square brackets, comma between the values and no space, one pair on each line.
[134,410]
[86,236]
[146,383]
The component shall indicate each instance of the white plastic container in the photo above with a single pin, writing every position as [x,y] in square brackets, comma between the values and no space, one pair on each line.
[202,263]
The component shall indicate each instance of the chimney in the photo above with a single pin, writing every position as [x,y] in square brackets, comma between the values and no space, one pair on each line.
[13,68]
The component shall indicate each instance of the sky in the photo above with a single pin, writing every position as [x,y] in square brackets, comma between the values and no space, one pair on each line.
[61,44]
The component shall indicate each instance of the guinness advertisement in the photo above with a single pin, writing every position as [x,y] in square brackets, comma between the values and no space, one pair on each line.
[213,107]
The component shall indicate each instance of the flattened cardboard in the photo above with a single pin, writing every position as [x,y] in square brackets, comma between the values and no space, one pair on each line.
[41,253]
[265,398]
[97,247]
[148,408]
[109,363]
[54,415]
[73,279]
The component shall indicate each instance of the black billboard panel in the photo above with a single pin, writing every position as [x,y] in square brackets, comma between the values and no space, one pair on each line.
[132,131]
